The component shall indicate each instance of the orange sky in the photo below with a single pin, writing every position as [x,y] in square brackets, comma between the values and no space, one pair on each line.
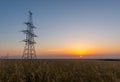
[72,49]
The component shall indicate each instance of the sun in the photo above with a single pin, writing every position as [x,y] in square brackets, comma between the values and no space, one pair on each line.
[80,56]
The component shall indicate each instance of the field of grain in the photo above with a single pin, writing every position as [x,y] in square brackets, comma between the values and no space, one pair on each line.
[59,71]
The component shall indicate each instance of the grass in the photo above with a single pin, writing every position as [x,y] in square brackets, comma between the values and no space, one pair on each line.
[59,71]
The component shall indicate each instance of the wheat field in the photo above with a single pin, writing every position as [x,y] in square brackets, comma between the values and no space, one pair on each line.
[51,70]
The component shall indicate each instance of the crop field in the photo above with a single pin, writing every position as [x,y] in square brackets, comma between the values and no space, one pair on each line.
[52,70]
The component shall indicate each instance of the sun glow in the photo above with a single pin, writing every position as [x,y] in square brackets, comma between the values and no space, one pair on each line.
[80,52]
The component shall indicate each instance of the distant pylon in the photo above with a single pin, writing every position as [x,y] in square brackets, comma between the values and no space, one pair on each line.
[29,49]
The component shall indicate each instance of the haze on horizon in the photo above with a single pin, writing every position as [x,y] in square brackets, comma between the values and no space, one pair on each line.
[65,28]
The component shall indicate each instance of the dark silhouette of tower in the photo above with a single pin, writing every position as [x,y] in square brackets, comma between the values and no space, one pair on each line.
[29,49]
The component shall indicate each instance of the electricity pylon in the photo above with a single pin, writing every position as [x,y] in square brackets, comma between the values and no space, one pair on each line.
[29,49]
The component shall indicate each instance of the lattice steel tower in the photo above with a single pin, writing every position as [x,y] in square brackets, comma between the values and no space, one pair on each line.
[29,49]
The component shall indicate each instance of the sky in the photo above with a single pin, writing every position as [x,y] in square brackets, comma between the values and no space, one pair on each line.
[65,28]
